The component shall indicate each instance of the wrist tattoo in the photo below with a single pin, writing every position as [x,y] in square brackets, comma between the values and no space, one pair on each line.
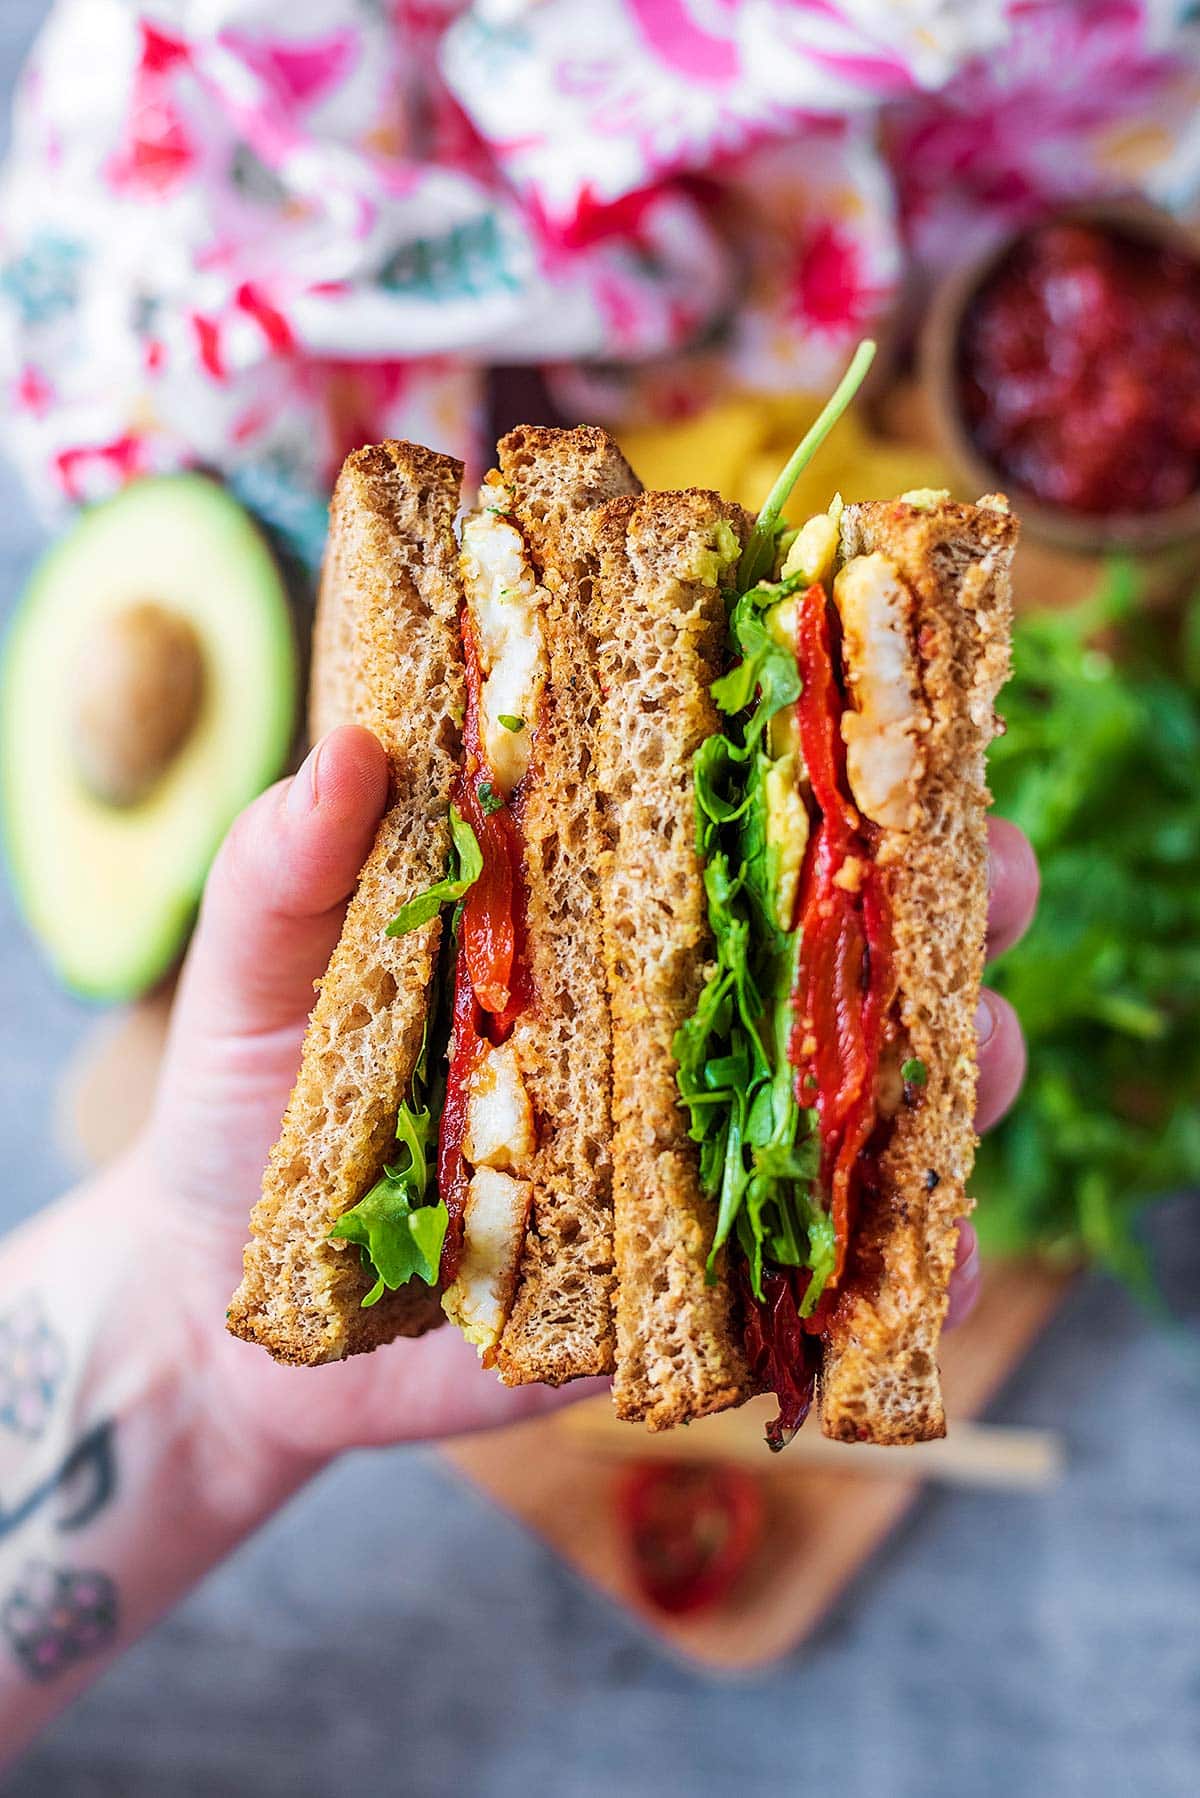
[83,1482]
[56,1616]
[32,1363]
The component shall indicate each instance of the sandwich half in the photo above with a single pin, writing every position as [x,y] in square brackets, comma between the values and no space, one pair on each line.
[388,656]
[524,1153]
[796,918]
[447,1145]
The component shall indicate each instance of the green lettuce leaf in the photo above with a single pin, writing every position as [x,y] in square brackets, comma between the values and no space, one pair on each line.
[466,865]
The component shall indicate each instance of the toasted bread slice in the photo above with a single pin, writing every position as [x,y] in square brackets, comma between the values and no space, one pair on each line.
[561,1322]
[660,628]
[880,1377]
[388,656]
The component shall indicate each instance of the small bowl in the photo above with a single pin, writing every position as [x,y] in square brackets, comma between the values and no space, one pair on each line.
[1091,533]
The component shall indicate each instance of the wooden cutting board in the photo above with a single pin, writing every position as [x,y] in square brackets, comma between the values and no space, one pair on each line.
[825,1517]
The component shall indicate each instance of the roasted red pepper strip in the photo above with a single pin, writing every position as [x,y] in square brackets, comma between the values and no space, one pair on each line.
[877,996]
[491,972]
[844,986]
[492,929]
[819,710]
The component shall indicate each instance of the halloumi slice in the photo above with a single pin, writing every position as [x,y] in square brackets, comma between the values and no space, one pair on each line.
[505,602]
[499,1130]
[882,731]
[494,1222]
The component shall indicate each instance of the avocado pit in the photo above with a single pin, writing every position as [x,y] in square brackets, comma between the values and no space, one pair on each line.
[136,690]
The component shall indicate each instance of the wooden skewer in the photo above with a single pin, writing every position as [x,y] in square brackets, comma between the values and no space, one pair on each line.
[973,1454]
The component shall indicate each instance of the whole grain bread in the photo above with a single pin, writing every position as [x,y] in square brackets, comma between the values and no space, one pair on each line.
[561,1322]
[880,1379]
[388,655]
[660,628]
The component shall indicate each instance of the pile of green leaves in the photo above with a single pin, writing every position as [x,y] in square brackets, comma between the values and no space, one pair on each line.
[1101,767]
[759,1151]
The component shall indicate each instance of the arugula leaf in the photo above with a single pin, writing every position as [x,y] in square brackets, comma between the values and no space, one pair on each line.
[760,546]
[766,667]
[400,1223]
[401,1241]
[488,798]
[1100,765]
[760,871]
[400,1234]
[510,721]
[759,1150]
[466,865]
[720,797]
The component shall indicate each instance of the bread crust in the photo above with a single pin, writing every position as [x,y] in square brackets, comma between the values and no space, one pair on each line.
[388,656]
[660,622]
[880,1381]
[561,1323]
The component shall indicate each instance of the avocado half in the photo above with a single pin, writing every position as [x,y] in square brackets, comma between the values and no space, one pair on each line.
[111,888]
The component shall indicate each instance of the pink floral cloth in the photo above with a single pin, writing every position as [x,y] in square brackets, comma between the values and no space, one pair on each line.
[249,236]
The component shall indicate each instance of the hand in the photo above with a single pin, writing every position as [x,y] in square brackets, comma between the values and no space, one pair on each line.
[1012,899]
[271,916]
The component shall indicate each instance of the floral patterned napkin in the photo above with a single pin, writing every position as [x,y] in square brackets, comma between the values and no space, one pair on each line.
[249,237]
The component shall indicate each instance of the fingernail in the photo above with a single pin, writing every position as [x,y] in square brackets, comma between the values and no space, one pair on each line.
[302,794]
[985,1022]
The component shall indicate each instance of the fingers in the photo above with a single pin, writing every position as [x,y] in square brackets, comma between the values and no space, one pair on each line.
[1001,1058]
[273,906]
[409,1391]
[966,1279]
[1013,882]
[1012,885]
[441,1390]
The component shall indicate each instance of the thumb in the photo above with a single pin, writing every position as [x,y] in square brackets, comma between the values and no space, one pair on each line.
[273,906]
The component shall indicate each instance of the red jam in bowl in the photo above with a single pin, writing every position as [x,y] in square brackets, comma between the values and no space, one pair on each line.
[1079,370]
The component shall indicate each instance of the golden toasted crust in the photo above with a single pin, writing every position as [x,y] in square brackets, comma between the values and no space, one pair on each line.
[880,1378]
[561,1324]
[660,627]
[388,656]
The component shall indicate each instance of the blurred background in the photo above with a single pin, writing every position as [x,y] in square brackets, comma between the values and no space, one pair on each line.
[241,246]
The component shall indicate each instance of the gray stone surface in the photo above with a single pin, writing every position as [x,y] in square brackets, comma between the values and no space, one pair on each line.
[999,1645]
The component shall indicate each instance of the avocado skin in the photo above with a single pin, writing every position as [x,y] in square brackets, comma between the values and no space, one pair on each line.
[111,893]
